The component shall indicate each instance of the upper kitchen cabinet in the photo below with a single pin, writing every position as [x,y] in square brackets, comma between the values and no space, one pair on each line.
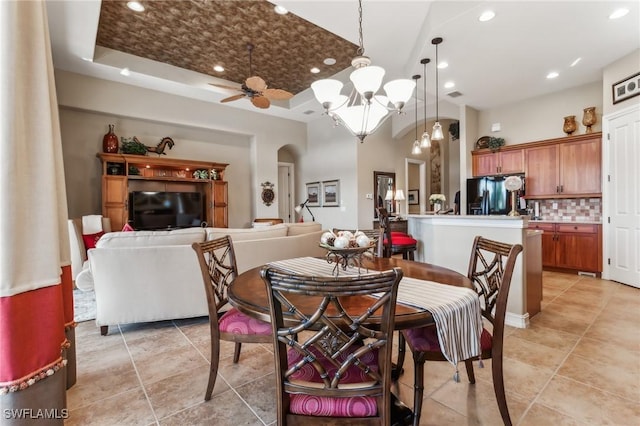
[568,167]
[506,161]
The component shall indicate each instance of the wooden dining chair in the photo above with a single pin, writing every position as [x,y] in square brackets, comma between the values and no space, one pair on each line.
[218,265]
[338,370]
[395,242]
[490,270]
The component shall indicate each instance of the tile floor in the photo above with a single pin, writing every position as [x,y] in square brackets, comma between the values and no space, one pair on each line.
[577,364]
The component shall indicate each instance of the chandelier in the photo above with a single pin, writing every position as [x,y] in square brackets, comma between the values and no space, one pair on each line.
[362,111]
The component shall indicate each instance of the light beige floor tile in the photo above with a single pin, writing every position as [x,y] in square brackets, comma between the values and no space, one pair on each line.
[167,363]
[519,378]
[95,385]
[436,414]
[548,337]
[623,333]
[255,362]
[535,354]
[128,408]
[611,378]
[225,409]
[588,405]
[181,391]
[261,397]
[558,321]
[608,354]
[540,415]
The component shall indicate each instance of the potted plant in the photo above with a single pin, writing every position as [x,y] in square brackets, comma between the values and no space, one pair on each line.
[133,146]
[494,144]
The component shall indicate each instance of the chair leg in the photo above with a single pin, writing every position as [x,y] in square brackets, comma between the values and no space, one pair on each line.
[411,254]
[213,370]
[104,329]
[418,387]
[236,352]
[498,387]
[472,377]
[402,346]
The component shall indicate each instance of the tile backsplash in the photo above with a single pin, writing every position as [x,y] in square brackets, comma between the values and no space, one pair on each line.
[570,209]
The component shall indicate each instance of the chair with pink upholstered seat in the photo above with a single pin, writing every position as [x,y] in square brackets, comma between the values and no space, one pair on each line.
[218,265]
[331,368]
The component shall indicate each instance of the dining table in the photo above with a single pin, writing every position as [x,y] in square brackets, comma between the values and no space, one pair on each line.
[248,292]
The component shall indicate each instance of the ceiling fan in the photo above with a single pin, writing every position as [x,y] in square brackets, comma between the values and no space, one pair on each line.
[255,89]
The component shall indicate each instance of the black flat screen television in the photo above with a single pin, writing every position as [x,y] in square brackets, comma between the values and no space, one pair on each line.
[165,210]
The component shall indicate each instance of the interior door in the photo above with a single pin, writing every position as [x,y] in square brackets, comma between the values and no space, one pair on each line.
[285,184]
[622,182]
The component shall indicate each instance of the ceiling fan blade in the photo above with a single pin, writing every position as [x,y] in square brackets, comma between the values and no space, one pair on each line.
[226,87]
[255,83]
[277,94]
[260,102]
[233,98]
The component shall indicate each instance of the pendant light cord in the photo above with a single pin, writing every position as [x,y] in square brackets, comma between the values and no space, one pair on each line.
[437,99]
[416,102]
[424,84]
[360,50]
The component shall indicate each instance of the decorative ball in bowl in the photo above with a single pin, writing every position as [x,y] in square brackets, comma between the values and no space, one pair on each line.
[347,248]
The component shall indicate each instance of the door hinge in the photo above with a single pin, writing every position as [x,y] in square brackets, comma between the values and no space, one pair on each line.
[609,219]
[608,137]
[609,261]
[608,178]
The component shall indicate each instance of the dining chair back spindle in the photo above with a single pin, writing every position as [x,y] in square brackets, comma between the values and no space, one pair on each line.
[490,269]
[218,266]
[331,368]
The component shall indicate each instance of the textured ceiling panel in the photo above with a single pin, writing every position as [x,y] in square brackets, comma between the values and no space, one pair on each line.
[198,34]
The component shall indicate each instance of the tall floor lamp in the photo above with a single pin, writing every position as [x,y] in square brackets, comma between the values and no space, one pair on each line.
[299,208]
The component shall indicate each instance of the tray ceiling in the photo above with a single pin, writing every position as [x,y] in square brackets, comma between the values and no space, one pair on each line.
[198,34]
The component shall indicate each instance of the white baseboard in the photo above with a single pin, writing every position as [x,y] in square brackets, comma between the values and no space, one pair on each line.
[518,321]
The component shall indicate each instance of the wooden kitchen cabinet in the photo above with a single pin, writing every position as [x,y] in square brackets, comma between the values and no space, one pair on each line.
[571,246]
[505,161]
[115,200]
[564,168]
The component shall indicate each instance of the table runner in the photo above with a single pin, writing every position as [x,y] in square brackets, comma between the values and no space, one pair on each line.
[455,310]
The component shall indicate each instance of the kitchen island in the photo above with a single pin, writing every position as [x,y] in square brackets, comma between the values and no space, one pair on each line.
[446,240]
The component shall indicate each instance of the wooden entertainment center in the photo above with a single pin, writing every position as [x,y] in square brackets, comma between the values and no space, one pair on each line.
[123,173]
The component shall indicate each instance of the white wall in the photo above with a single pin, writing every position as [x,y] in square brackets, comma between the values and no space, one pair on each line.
[615,72]
[255,161]
[541,117]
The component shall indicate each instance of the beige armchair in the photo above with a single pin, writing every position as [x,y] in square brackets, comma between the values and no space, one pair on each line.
[78,249]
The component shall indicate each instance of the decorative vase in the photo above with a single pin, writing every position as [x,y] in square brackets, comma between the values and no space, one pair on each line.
[589,118]
[569,124]
[437,207]
[110,141]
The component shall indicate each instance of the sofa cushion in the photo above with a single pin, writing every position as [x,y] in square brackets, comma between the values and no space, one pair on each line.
[185,236]
[90,240]
[300,228]
[244,234]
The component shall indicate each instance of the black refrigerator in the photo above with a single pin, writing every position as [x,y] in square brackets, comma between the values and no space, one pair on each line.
[488,196]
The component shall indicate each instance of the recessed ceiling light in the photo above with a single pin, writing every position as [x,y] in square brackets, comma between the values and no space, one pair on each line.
[281,10]
[486,16]
[315,70]
[218,68]
[574,63]
[552,74]
[125,72]
[329,61]
[136,6]
[618,13]
[449,85]
[443,65]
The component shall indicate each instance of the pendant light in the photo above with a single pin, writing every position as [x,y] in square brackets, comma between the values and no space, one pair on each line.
[416,144]
[436,133]
[425,141]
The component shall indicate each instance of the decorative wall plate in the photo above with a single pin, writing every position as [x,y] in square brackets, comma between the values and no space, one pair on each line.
[483,142]
[268,196]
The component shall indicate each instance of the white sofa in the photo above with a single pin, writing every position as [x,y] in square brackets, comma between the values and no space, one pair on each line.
[147,276]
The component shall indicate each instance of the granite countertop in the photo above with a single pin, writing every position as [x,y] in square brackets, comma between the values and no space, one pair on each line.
[503,217]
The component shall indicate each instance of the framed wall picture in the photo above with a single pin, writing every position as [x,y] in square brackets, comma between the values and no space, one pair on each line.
[413,197]
[330,193]
[627,88]
[313,194]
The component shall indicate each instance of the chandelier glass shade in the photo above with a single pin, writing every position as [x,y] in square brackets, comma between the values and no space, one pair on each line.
[363,110]
[436,132]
